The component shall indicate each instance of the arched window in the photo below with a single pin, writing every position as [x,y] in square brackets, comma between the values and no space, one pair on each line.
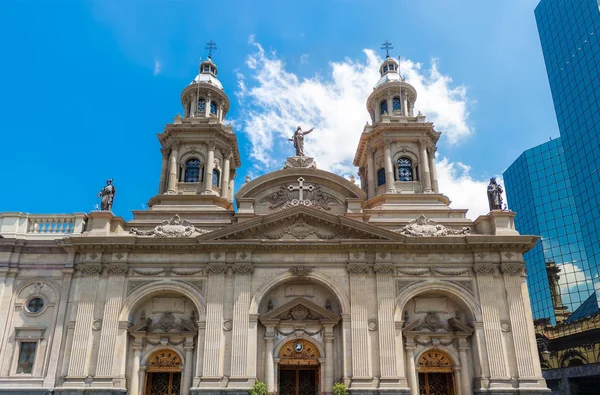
[192,170]
[383,107]
[381,177]
[216,177]
[396,104]
[213,107]
[201,107]
[405,172]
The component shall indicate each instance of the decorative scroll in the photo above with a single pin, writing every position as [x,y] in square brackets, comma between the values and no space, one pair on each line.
[434,361]
[175,227]
[301,330]
[424,227]
[164,360]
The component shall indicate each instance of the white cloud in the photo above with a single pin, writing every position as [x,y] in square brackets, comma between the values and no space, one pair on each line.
[571,276]
[275,101]
[456,182]
[157,68]
[304,58]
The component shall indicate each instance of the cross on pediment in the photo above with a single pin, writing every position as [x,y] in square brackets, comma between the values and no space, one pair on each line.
[301,188]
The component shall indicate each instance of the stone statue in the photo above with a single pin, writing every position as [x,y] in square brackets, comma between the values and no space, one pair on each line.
[494,191]
[108,195]
[298,139]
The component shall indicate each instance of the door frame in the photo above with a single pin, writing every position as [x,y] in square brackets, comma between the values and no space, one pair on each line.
[297,368]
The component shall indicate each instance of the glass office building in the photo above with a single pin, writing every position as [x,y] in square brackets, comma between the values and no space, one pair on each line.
[538,187]
[569,32]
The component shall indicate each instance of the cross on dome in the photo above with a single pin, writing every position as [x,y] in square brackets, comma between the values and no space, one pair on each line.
[387,46]
[211,46]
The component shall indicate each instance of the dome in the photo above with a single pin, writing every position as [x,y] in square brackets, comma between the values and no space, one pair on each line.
[208,74]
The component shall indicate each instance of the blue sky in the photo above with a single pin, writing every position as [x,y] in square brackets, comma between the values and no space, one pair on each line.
[86,86]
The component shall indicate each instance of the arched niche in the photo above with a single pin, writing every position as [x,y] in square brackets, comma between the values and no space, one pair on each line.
[260,298]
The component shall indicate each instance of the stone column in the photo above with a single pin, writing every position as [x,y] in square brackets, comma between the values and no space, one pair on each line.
[173,168]
[50,379]
[411,370]
[110,320]
[491,322]
[225,175]
[252,340]
[208,168]
[186,382]
[386,296]
[466,382]
[134,385]
[404,103]
[200,352]
[361,353]
[371,178]
[426,176]
[142,378]
[163,171]
[432,169]
[329,373]
[81,350]
[207,106]
[514,277]
[269,363]
[389,170]
[241,308]
[194,105]
[213,342]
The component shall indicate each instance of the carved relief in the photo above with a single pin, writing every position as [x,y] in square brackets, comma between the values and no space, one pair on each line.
[164,359]
[243,269]
[133,285]
[299,349]
[90,270]
[301,270]
[486,269]
[357,269]
[424,227]
[383,269]
[292,195]
[175,227]
[300,230]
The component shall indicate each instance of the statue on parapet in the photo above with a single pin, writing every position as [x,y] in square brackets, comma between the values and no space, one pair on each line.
[494,192]
[298,140]
[108,195]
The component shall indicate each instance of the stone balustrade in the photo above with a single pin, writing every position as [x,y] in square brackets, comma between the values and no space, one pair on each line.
[16,224]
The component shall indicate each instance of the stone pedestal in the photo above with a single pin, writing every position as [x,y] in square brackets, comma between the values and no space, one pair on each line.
[300,162]
[103,223]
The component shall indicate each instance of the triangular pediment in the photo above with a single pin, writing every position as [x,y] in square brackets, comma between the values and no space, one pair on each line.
[302,223]
[299,309]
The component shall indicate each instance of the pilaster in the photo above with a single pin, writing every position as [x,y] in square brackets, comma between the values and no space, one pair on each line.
[361,350]
[386,296]
[241,307]
[213,342]
[110,320]
[81,349]
[50,379]
[514,277]
[488,294]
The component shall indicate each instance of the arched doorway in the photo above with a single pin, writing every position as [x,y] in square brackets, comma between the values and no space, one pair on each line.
[163,376]
[299,372]
[435,373]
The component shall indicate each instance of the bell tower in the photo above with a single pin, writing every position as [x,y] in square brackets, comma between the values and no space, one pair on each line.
[200,153]
[396,152]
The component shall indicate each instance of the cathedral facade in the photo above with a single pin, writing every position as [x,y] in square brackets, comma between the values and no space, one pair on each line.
[312,281]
